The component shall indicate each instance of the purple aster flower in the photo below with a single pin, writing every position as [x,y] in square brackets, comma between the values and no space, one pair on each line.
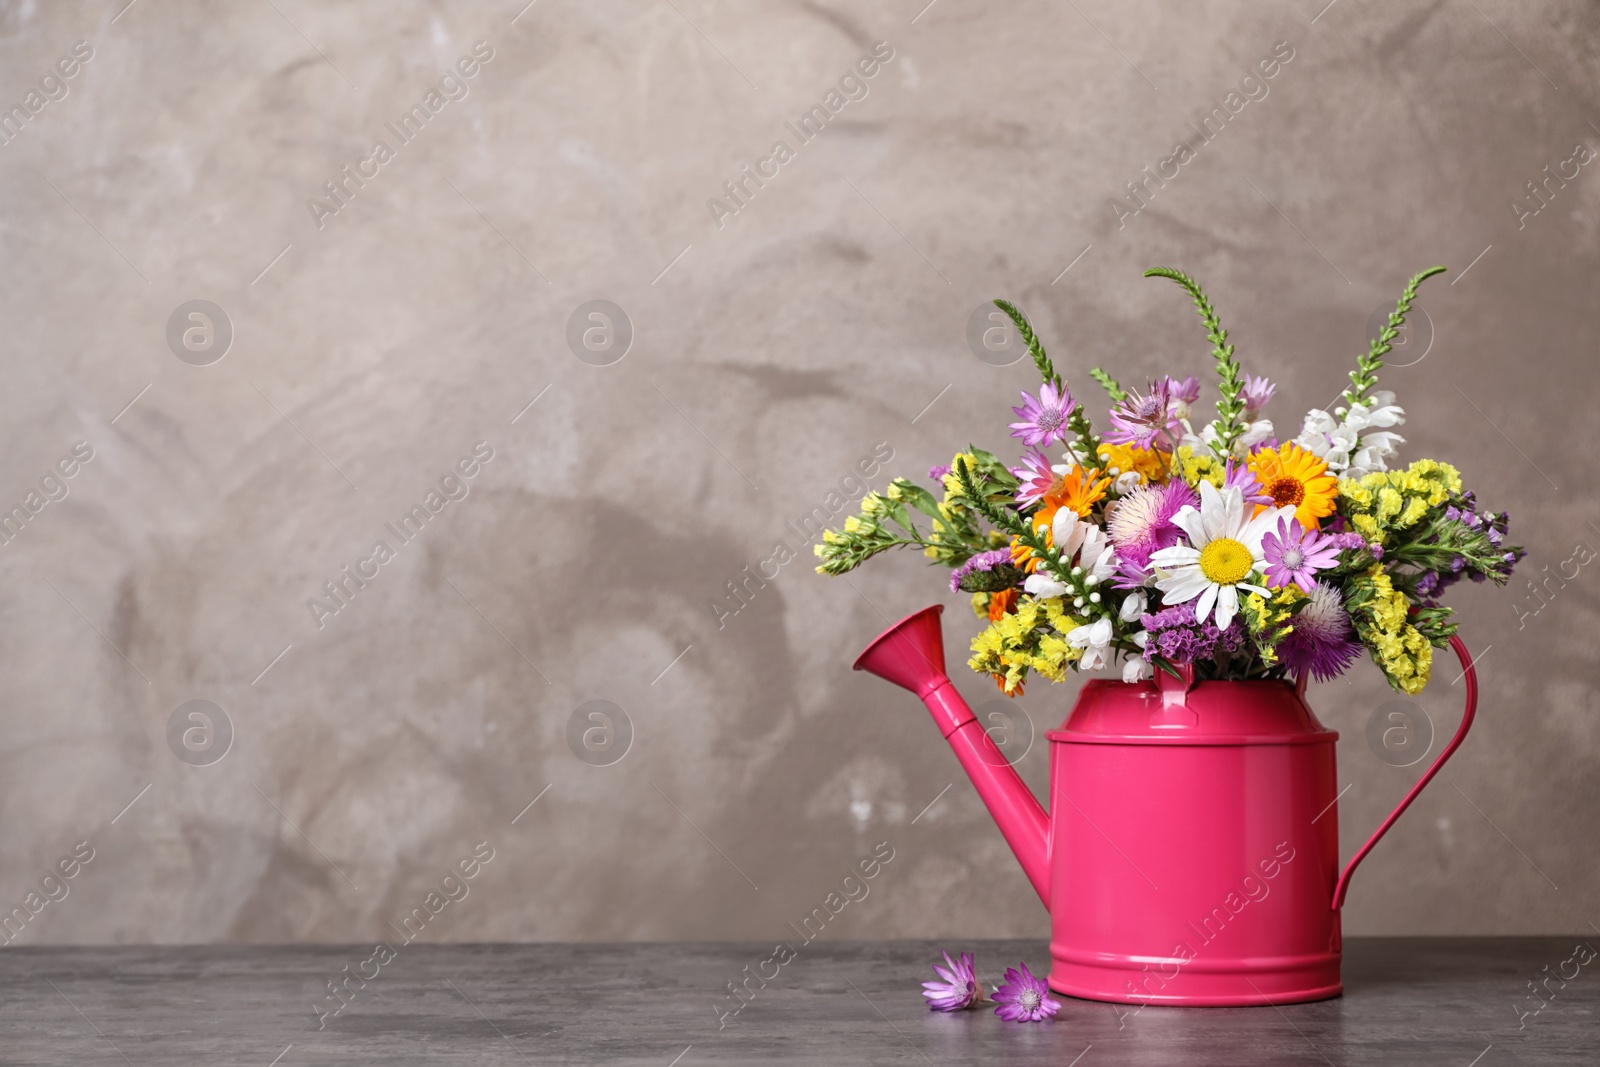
[1044,418]
[938,473]
[1256,394]
[1139,419]
[1321,641]
[1035,476]
[1244,479]
[959,988]
[983,561]
[1024,998]
[1294,554]
[1142,522]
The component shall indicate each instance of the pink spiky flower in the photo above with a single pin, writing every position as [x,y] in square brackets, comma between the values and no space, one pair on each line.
[1140,418]
[1024,998]
[958,988]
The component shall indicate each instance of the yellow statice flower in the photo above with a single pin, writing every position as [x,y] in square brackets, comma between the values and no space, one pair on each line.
[1396,500]
[1195,469]
[1380,612]
[952,481]
[1028,639]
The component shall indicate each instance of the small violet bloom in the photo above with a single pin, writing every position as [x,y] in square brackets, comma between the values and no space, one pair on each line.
[1256,394]
[1024,998]
[1295,554]
[1035,477]
[959,987]
[1244,479]
[1044,418]
[1140,419]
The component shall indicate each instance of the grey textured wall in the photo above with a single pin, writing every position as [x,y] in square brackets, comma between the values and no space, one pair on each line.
[773,349]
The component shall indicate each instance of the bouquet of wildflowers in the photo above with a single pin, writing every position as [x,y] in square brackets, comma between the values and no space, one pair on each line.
[1165,542]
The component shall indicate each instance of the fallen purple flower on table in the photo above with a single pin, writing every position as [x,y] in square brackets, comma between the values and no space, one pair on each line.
[959,988]
[1024,998]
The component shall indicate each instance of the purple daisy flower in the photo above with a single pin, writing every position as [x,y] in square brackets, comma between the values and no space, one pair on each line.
[1142,522]
[1139,419]
[1035,477]
[1024,998]
[1256,394]
[1244,479]
[1321,641]
[959,987]
[1044,418]
[1294,554]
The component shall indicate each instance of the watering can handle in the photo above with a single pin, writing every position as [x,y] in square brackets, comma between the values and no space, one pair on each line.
[1471,677]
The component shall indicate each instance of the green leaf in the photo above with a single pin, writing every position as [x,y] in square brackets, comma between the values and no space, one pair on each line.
[920,499]
[1166,665]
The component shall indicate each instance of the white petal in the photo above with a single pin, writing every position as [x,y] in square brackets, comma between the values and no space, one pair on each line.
[1067,531]
[1042,587]
[1260,526]
[1188,520]
[1182,585]
[1175,556]
[1227,606]
[1232,511]
[1207,600]
[1132,607]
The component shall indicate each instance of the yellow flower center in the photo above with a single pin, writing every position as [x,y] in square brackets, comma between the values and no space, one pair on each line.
[1287,491]
[1226,561]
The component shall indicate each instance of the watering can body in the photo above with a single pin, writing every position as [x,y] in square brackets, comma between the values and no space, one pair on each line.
[1190,855]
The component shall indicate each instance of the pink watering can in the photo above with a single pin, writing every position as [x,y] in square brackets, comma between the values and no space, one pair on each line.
[1191,852]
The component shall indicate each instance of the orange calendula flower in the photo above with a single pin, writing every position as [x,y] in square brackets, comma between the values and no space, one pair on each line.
[1292,476]
[1001,602]
[1079,491]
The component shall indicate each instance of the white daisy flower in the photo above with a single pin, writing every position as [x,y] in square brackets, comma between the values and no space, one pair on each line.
[1224,549]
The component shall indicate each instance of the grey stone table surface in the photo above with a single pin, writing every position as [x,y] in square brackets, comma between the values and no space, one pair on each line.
[1465,1002]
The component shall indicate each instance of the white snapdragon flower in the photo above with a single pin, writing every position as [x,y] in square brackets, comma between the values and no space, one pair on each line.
[1207,440]
[1360,442]
[1095,640]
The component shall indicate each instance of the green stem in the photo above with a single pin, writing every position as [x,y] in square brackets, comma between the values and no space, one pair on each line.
[1230,405]
[1365,376]
[1047,370]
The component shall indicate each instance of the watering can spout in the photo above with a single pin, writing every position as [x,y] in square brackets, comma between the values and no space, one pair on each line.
[911,655]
